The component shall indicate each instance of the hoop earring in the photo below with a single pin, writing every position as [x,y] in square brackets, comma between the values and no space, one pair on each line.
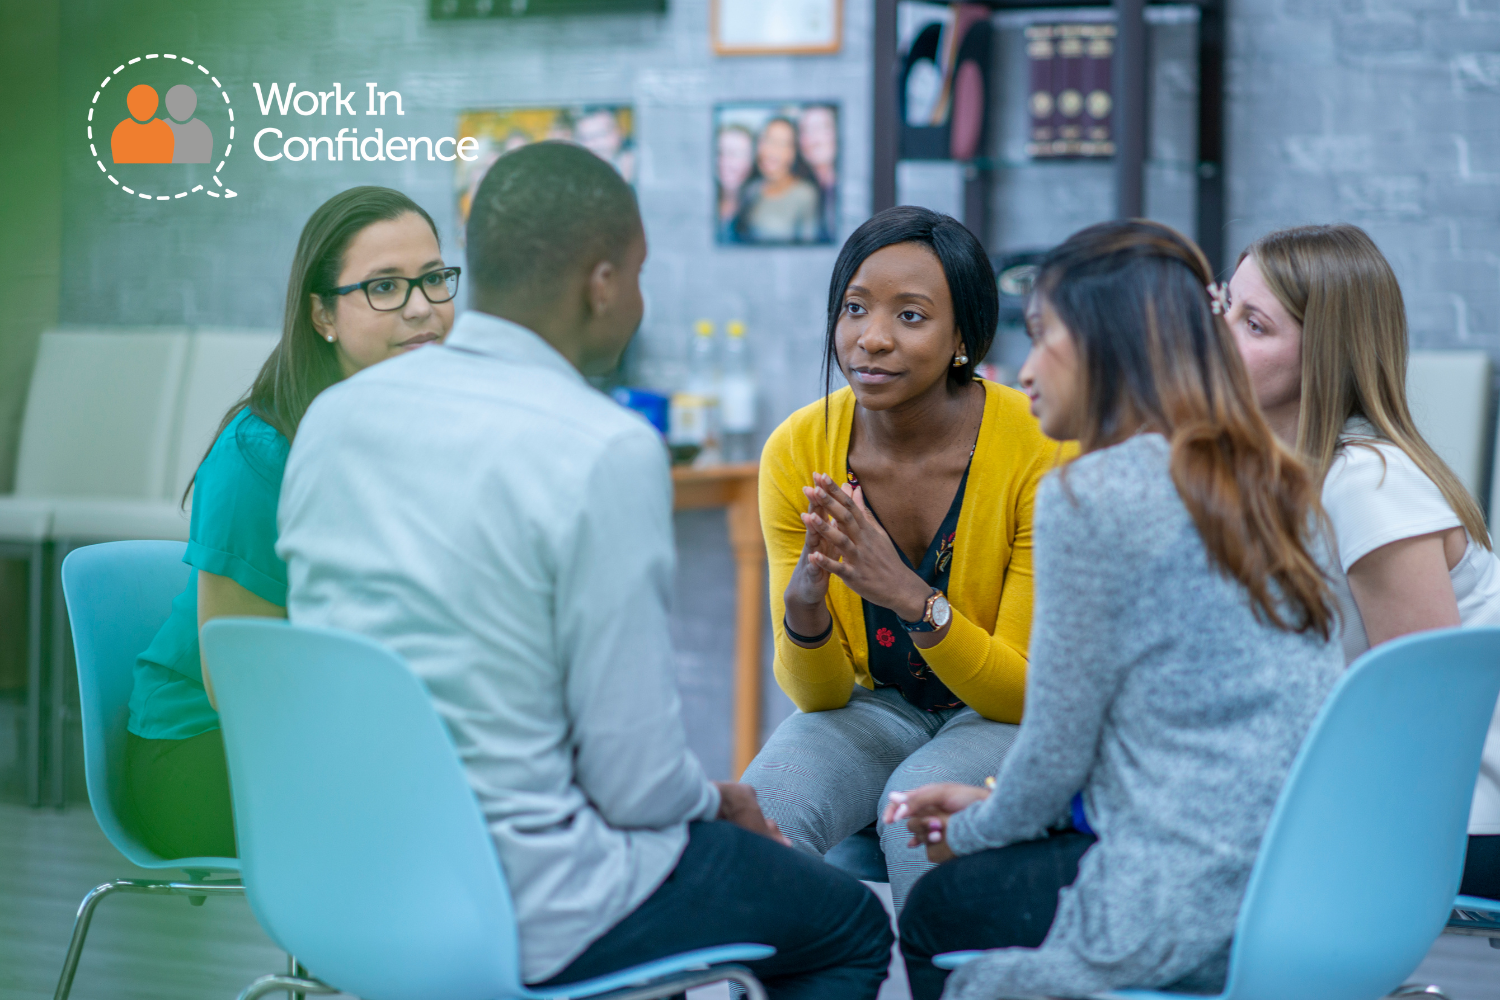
[959,360]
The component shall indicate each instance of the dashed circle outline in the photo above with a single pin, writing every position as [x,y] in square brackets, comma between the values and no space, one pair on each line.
[229,148]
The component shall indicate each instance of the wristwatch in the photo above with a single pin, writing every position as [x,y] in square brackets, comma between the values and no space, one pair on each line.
[934,617]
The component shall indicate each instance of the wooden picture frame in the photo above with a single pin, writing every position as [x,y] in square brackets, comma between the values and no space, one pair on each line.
[821,30]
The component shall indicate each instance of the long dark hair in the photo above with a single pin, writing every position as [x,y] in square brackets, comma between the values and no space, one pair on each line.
[971,283]
[303,364]
[1134,295]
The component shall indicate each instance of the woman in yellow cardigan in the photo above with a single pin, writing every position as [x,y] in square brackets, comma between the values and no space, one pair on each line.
[897,515]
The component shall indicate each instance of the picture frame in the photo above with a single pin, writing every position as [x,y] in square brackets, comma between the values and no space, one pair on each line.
[776,173]
[605,129]
[776,27]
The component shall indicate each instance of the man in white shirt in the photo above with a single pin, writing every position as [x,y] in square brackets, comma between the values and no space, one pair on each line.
[480,509]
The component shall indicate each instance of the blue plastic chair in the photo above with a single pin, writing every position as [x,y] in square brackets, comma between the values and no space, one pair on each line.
[1361,861]
[363,846]
[119,594]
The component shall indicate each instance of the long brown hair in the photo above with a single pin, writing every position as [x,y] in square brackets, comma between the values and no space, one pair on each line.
[1336,283]
[303,364]
[1134,296]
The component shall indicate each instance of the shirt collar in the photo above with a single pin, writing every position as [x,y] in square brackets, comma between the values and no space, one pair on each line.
[483,333]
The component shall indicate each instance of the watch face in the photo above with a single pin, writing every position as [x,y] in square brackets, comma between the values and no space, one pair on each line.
[941,611]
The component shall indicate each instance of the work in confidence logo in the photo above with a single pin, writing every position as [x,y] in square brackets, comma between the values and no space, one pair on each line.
[161,127]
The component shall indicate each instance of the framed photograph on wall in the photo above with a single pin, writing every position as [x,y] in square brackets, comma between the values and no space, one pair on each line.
[776,27]
[776,173]
[606,130]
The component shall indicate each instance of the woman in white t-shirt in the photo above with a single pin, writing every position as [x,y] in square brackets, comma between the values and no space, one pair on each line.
[1320,322]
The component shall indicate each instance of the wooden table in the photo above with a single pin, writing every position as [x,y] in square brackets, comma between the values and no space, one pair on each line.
[733,487]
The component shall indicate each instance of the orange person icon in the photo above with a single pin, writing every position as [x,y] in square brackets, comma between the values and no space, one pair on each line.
[144,139]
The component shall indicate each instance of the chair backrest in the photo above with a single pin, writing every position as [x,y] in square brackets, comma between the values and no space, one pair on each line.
[119,594]
[220,367]
[363,847]
[100,412]
[1449,396]
[1362,858]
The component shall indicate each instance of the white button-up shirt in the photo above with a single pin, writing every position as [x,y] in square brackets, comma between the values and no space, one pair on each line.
[483,511]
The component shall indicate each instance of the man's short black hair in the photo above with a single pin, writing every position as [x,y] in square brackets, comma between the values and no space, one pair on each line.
[543,211]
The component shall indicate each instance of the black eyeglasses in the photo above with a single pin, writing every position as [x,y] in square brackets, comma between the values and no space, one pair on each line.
[392,293]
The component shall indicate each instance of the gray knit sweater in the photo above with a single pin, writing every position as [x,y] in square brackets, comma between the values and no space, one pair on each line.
[1155,690]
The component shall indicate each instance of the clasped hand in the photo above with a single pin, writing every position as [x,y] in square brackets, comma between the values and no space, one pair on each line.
[845,540]
[927,811]
[738,805]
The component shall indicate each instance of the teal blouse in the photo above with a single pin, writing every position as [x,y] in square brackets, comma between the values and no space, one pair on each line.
[233,534]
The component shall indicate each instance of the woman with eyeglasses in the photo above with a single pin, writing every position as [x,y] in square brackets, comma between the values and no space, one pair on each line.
[368,282]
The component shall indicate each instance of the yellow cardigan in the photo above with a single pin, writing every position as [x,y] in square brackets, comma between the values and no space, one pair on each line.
[982,659]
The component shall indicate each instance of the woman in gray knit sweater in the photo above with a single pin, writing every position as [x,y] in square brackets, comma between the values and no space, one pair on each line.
[1180,649]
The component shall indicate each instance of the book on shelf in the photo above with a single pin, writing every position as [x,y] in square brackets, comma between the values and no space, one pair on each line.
[1071,99]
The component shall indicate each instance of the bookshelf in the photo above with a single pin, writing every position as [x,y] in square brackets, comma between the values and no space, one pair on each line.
[1129,166]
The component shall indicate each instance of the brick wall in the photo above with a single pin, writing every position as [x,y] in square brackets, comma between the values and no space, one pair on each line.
[1385,114]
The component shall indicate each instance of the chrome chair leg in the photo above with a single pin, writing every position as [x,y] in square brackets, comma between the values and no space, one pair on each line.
[276,983]
[299,983]
[1413,990]
[670,986]
[744,977]
[294,970]
[97,894]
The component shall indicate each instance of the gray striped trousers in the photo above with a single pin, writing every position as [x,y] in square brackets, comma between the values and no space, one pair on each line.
[823,776]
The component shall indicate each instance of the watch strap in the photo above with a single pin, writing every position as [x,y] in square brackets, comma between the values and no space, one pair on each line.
[923,624]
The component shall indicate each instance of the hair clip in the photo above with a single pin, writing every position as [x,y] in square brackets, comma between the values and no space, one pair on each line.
[1218,295]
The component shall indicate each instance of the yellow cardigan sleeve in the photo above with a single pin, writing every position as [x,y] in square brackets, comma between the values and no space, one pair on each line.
[988,671]
[815,679]
[982,659]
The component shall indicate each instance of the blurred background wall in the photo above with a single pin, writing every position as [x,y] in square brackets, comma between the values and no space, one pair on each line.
[31,186]
[1384,113]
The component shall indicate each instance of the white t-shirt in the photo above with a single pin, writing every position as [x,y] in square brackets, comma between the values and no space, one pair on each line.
[1374,495]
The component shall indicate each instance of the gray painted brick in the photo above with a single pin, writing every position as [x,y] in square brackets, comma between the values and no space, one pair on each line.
[1385,37]
[1445,35]
[1265,41]
[1386,195]
[1322,10]
[1406,7]
[1317,154]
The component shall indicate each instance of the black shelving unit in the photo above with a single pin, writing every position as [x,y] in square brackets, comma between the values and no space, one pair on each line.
[1129,124]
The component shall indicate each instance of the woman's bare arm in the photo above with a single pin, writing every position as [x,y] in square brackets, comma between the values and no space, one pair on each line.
[1404,587]
[221,597]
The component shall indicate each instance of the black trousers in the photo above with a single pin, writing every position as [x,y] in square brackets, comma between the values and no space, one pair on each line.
[832,936]
[1482,868]
[177,795]
[1003,898]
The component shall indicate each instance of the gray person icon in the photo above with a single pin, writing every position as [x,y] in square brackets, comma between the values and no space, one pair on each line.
[194,142]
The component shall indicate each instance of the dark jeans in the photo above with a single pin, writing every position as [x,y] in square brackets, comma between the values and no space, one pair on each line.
[1003,898]
[1482,868]
[177,794]
[832,937]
